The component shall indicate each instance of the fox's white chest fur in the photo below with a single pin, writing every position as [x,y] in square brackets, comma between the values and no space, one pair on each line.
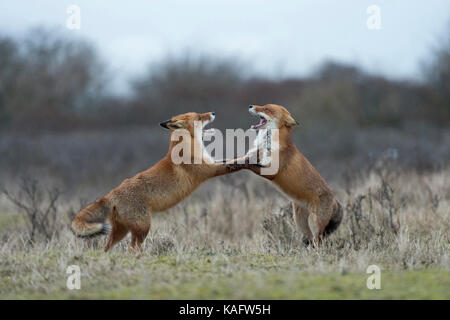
[205,156]
[267,142]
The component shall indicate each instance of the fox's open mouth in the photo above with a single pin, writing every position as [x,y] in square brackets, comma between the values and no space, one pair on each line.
[262,121]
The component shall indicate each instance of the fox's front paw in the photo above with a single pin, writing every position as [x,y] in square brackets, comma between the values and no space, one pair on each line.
[255,166]
[236,166]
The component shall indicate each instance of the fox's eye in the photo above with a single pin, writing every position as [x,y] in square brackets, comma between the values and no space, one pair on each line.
[199,118]
[266,109]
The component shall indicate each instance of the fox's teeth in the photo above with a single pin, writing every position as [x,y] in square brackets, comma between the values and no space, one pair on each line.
[262,121]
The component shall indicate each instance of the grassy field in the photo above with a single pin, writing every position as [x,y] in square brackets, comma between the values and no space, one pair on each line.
[235,240]
[206,275]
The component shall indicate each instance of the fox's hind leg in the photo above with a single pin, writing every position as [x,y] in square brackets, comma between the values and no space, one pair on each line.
[301,214]
[137,238]
[139,232]
[321,214]
[118,232]
[314,223]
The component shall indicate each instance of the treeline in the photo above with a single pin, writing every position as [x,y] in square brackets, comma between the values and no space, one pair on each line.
[52,83]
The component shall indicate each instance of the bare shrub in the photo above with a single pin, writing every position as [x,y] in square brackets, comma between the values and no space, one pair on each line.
[280,230]
[385,197]
[38,207]
[374,215]
[361,229]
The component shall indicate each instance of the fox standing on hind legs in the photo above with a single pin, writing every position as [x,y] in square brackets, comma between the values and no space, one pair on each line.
[129,207]
[317,212]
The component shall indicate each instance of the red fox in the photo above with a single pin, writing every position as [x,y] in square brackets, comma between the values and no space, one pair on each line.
[129,207]
[317,212]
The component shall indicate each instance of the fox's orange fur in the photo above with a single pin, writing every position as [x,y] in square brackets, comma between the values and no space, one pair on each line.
[129,207]
[317,212]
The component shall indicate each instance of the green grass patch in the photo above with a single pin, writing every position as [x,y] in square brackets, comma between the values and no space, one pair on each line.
[200,275]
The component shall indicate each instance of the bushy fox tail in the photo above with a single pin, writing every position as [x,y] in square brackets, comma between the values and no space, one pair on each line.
[335,220]
[91,221]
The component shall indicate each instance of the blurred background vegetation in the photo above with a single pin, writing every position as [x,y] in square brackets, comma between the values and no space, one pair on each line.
[53,83]
[59,114]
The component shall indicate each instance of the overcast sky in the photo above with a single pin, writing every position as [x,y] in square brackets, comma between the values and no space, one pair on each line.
[277,38]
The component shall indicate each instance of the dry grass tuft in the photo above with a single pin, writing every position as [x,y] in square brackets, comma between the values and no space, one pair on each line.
[231,227]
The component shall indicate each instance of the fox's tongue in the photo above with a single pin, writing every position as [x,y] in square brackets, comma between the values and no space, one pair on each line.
[262,121]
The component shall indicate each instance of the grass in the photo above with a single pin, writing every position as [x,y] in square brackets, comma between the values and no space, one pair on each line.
[209,247]
[205,275]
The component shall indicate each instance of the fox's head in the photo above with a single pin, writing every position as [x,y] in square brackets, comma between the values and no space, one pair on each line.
[191,121]
[271,116]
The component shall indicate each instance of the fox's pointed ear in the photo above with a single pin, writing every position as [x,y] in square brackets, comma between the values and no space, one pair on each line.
[173,124]
[290,122]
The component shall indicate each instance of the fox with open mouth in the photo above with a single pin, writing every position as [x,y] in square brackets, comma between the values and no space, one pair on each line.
[317,211]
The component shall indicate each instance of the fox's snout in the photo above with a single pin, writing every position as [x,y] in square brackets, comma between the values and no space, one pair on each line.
[272,112]
[253,109]
[206,117]
[188,120]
